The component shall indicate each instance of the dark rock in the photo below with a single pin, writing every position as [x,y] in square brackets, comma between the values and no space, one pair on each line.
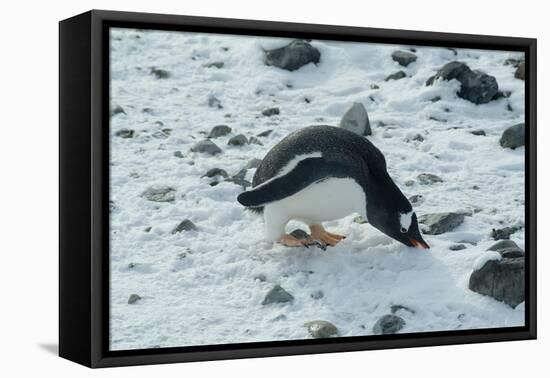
[253,164]
[320,329]
[216,172]
[125,133]
[117,109]
[396,76]
[265,133]
[395,308]
[520,71]
[300,234]
[478,132]
[439,223]
[374,86]
[178,154]
[457,247]
[206,147]
[271,112]
[159,73]
[214,102]
[317,294]
[507,248]
[277,295]
[133,298]
[162,134]
[239,179]
[237,140]
[475,86]
[388,324]
[409,183]
[435,99]
[513,137]
[502,279]
[504,233]
[214,64]
[418,138]
[513,62]
[428,178]
[502,94]
[185,225]
[254,140]
[160,194]
[261,277]
[219,131]
[292,56]
[416,199]
[404,58]
[356,119]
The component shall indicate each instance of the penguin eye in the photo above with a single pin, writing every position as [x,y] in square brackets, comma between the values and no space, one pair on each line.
[403,229]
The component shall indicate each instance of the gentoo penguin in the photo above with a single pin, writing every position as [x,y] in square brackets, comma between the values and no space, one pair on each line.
[323,173]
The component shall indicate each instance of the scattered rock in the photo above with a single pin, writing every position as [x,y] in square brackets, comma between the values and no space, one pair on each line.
[439,223]
[160,193]
[117,109]
[219,131]
[261,277]
[214,102]
[404,58]
[417,199]
[237,140]
[292,56]
[207,147]
[359,219]
[253,164]
[478,132]
[409,182]
[513,62]
[388,324]
[475,86]
[239,179]
[317,294]
[520,71]
[254,140]
[428,178]
[457,247]
[374,86]
[320,329]
[133,298]
[395,308]
[185,225]
[179,154]
[503,280]
[216,172]
[435,99]
[214,64]
[356,119]
[504,233]
[271,112]
[396,76]
[277,295]
[162,134]
[300,234]
[265,133]
[513,137]
[502,94]
[418,138]
[125,133]
[507,248]
[159,73]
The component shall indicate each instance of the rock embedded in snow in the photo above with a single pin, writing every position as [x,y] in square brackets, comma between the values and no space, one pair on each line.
[388,324]
[291,57]
[478,132]
[457,247]
[439,223]
[520,71]
[356,119]
[217,65]
[206,147]
[219,131]
[475,86]
[513,136]
[317,294]
[133,298]
[396,308]
[125,133]
[404,58]
[160,193]
[300,234]
[507,248]
[504,233]
[254,140]
[185,225]
[502,279]
[216,172]
[320,329]
[271,112]
[239,179]
[214,102]
[277,295]
[117,109]
[160,73]
[416,199]
[237,140]
[253,164]
[428,178]
[265,133]
[396,76]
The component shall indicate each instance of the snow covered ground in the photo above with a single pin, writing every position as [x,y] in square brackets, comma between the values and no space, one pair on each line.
[206,286]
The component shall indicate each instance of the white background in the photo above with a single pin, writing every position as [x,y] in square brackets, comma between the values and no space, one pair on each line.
[29,186]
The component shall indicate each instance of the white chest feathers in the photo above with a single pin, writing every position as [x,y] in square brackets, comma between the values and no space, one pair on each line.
[326,200]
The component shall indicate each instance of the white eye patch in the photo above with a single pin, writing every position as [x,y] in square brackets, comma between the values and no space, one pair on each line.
[405,220]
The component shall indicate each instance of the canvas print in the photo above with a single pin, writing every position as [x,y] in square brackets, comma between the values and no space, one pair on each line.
[268,189]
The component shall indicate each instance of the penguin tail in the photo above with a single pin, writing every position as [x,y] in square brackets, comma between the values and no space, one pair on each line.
[252,198]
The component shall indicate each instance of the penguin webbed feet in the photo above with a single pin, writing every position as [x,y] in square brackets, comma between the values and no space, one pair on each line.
[319,233]
[292,241]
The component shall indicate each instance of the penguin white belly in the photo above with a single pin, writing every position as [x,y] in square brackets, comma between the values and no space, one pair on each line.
[326,200]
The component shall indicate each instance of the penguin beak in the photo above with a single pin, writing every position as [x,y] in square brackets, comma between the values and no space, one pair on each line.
[419,244]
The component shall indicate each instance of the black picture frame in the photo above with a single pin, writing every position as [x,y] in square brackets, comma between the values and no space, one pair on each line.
[84,188]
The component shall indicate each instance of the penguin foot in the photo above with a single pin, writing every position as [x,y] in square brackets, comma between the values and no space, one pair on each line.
[291,241]
[319,233]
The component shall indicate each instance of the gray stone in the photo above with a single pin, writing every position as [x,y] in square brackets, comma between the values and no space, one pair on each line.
[253,164]
[159,73]
[475,86]
[395,308]
[292,56]
[133,298]
[359,219]
[404,58]
[214,64]
[435,99]
[271,112]
[388,324]
[179,154]
[513,136]
[117,109]
[125,133]
[254,140]
[478,132]
[185,225]
[277,295]
[416,199]
[428,178]
[503,280]
[237,140]
[239,179]
[439,223]
[520,71]
[396,76]
[216,172]
[409,182]
[219,131]
[317,294]
[162,134]
[206,147]
[265,133]
[504,233]
[457,247]
[356,119]
[507,248]
[300,234]
[320,329]
[214,102]
[160,193]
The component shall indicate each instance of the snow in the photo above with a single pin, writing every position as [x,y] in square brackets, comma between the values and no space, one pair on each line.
[485,258]
[204,287]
